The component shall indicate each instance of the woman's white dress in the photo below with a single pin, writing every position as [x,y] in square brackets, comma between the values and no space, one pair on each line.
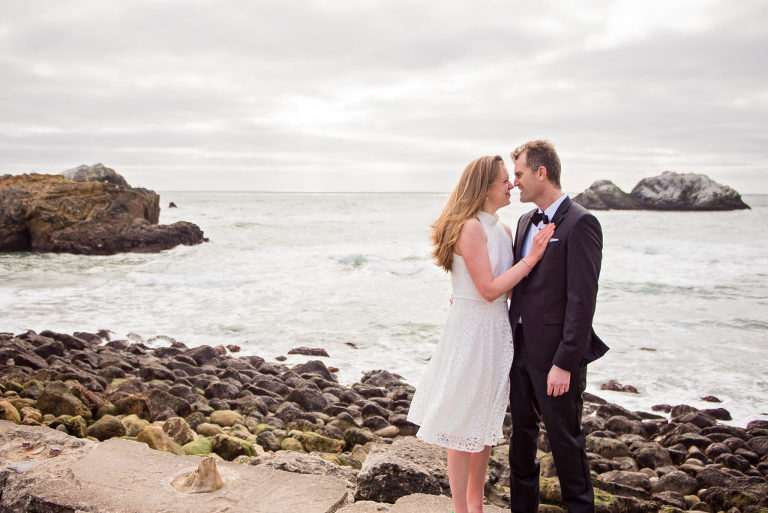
[463,395]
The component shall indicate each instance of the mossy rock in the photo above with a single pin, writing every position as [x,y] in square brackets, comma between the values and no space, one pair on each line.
[12,386]
[107,409]
[313,442]
[604,502]
[549,491]
[133,425]
[200,447]
[258,428]
[57,400]
[9,412]
[74,424]
[230,447]
[291,444]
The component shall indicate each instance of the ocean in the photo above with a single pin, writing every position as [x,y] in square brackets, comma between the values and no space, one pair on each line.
[683,299]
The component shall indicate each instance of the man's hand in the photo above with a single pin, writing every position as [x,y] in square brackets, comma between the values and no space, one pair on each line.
[558,381]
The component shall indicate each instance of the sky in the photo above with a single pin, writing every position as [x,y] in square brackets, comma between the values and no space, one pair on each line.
[382,95]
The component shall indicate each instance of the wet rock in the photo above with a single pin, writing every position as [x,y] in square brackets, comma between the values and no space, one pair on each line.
[623,425]
[221,390]
[382,378]
[718,413]
[309,351]
[615,386]
[759,445]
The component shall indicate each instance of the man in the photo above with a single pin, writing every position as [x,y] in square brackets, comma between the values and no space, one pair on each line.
[551,314]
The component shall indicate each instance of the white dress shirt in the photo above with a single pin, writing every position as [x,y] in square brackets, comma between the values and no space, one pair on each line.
[550,212]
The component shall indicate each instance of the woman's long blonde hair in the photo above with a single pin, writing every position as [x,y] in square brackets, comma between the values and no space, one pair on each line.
[465,202]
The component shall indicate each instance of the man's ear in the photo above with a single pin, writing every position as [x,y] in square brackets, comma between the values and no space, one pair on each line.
[541,173]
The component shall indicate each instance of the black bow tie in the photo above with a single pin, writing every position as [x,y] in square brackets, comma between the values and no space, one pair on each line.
[539,217]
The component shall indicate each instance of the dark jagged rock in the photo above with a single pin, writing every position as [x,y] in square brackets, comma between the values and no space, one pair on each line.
[667,191]
[94,213]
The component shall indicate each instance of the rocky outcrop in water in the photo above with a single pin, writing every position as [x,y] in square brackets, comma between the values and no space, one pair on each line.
[668,191]
[203,401]
[87,210]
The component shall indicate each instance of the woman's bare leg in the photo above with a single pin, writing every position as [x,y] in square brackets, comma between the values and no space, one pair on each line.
[458,477]
[476,484]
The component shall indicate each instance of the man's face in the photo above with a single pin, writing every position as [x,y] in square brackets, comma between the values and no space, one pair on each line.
[526,179]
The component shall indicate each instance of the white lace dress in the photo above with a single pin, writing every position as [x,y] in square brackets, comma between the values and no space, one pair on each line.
[462,397]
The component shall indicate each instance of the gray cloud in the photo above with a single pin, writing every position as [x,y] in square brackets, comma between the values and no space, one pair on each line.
[376,95]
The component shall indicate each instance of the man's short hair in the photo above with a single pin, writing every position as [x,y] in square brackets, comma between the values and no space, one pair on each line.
[541,153]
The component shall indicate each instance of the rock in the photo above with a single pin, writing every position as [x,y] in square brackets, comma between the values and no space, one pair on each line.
[106,427]
[670,498]
[226,418]
[653,456]
[178,429]
[268,440]
[407,466]
[313,442]
[300,463]
[668,191]
[382,378]
[633,479]
[172,205]
[676,481]
[623,425]
[203,480]
[618,387]
[308,398]
[230,447]
[606,447]
[133,424]
[291,444]
[356,436]
[74,425]
[52,213]
[309,351]
[387,432]
[200,447]
[158,440]
[160,401]
[57,400]
[9,412]
[685,191]
[711,399]
[759,445]
[96,173]
[605,195]
[314,367]
[134,405]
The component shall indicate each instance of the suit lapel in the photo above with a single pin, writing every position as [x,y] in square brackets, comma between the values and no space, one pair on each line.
[561,211]
[522,231]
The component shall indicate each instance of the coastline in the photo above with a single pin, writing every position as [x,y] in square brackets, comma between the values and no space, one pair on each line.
[210,401]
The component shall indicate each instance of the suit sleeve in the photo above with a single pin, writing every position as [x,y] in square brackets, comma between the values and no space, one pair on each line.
[584,256]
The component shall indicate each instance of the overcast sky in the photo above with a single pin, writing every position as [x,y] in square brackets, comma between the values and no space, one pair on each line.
[382,95]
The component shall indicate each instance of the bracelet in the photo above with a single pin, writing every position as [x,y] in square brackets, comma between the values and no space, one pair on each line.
[530,268]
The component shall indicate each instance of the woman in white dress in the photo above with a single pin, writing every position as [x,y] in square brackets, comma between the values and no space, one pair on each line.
[462,398]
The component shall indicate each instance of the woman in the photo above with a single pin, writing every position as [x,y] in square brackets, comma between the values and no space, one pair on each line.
[462,398]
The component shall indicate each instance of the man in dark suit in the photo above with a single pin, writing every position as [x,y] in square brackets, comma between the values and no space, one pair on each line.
[551,314]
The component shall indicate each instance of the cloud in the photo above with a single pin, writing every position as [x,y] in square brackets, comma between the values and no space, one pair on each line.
[381,95]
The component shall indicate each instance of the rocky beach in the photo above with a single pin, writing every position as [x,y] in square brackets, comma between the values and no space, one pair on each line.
[70,399]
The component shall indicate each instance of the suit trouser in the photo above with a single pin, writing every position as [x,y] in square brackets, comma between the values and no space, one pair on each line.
[562,418]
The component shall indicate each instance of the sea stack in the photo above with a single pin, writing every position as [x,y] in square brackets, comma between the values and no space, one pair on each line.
[668,191]
[86,210]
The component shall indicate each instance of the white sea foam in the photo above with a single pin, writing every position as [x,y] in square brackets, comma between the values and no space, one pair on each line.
[284,270]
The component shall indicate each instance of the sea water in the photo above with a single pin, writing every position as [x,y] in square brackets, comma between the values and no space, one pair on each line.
[683,298]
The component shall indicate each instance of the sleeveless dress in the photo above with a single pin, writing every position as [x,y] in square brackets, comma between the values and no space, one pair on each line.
[462,398]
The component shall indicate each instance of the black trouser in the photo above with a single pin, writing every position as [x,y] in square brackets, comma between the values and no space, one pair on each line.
[562,418]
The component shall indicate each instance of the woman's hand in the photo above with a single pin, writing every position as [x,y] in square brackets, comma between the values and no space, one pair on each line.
[540,242]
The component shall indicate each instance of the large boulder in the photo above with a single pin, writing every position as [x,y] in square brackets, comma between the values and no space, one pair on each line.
[99,214]
[407,466]
[667,191]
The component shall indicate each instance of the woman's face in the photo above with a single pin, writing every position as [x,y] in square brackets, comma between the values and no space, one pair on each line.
[498,192]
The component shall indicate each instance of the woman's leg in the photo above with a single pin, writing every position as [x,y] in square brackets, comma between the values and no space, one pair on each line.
[458,477]
[476,486]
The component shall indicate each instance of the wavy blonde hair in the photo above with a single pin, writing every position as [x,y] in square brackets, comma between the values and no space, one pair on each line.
[465,202]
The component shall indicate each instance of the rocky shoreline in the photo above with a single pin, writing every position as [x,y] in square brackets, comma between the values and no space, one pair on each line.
[207,401]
